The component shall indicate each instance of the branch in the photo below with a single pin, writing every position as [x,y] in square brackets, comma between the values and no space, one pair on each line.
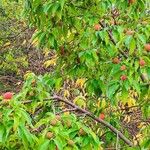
[94,118]
[66,110]
[89,114]
[112,39]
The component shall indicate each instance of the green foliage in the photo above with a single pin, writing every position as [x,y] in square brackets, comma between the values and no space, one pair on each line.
[89,53]
[67,28]
[22,127]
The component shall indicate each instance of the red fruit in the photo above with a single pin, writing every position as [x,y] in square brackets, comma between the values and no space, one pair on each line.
[132,1]
[123,77]
[142,62]
[116,60]
[7,95]
[123,67]
[102,116]
[97,27]
[147,47]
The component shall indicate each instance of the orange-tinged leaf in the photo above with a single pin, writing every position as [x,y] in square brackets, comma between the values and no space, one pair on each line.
[51,62]
[27,74]
[7,44]
[80,82]
[130,101]
[101,103]
[142,125]
[127,119]
[35,42]
[46,51]
[66,93]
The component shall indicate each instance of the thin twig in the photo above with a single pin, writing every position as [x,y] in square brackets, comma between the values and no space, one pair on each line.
[117,143]
[66,110]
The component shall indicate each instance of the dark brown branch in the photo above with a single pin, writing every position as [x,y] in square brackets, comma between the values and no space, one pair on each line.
[37,111]
[144,78]
[127,108]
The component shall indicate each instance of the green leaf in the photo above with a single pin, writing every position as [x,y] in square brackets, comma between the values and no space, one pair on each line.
[62,2]
[47,7]
[2,131]
[85,141]
[58,83]
[132,46]
[44,145]
[80,101]
[26,116]
[58,142]
[142,38]
[16,122]
[128,41]
[112,90]
[42,38]
[25,135]
[36,35]
[54,8]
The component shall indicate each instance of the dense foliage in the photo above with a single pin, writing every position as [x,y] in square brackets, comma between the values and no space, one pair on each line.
[84,51]
[100,62]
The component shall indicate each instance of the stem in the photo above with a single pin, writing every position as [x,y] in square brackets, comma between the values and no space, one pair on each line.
[89,114]
[112,39]
[94,118]
[66,110]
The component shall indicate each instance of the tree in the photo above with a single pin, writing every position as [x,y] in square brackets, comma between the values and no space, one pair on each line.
[99,44]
